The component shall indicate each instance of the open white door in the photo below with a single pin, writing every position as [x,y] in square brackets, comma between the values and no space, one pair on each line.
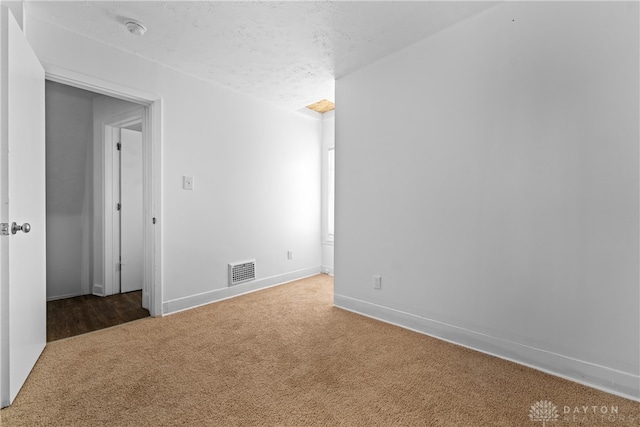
[131,214]
[22,196]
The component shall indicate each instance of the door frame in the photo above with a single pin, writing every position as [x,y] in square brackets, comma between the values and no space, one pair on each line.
[151,169]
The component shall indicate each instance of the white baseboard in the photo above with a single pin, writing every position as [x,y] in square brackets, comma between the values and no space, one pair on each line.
[193,301]
[612,381]
[98,290]
[57,297]
[326,270]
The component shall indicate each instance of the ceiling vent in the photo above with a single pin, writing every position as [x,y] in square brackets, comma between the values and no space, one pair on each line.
[242,272]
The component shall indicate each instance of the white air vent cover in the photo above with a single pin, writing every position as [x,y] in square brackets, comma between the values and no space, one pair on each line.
[242,272]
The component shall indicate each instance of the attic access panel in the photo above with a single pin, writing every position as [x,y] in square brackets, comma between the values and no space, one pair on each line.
[322,106]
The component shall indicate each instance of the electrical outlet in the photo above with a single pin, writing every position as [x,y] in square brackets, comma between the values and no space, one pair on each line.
[289,254]
[377,282]
[187,182]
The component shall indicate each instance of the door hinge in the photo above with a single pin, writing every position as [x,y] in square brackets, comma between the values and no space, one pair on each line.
[154,220]
[118,206]
[4,228]
[118,146]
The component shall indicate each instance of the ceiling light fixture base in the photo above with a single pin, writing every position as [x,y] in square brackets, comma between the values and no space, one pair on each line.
[135,27]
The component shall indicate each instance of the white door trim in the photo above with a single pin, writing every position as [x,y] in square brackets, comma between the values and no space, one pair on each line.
[152,170]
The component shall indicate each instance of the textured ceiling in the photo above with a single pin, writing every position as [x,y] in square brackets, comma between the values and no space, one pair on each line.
[287,53]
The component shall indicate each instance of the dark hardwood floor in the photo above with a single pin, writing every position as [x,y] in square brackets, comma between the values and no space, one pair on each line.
[79,315]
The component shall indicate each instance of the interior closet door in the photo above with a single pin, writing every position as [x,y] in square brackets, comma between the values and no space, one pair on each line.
[131,225]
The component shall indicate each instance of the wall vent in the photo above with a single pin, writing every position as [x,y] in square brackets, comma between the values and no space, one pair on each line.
[242,272]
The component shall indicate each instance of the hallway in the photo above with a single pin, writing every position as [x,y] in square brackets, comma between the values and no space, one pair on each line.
[75,316]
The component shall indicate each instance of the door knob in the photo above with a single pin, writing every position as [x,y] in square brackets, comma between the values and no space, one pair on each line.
[25,228]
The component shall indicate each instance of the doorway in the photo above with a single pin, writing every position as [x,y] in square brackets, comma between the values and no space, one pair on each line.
[23,266]
[79,299]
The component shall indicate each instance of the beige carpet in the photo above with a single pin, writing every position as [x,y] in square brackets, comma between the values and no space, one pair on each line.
[286,357]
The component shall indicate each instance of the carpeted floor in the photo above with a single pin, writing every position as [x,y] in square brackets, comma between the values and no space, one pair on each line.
[286,357]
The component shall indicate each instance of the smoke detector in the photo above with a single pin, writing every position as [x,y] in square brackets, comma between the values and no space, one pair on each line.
[135,27]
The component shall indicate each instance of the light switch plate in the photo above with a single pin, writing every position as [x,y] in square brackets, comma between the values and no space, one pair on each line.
[377,282]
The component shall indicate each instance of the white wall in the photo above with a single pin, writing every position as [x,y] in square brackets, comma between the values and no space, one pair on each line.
[497,194]
[256,170]
[69,127]
[328,141]
[257,187]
